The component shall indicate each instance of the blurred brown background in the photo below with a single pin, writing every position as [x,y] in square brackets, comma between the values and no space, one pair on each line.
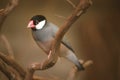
[95,35]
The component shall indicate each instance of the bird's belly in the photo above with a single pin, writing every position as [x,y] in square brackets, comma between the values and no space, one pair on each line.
[46,46]
[45,43]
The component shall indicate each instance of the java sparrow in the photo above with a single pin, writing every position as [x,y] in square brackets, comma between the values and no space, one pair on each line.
[44,32]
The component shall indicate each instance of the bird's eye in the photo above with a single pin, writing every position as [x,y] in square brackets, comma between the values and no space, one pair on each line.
[41,24]
[36,22]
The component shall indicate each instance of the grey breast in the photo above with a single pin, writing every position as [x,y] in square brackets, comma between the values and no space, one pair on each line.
[46,33]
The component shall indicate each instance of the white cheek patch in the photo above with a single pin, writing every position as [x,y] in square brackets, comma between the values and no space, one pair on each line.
[40,25]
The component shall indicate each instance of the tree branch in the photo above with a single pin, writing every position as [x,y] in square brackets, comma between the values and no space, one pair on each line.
[8,71]
[73,73]
[5,70]
[11,62]
[7,59]
[8,46]
[4,12]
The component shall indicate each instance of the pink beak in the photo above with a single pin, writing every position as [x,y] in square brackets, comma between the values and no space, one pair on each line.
[31,24]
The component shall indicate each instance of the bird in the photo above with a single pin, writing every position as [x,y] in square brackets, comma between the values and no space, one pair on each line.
[43,32]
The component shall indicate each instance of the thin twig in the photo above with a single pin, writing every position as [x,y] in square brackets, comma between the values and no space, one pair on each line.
[40,78]
[8,46]
[1,10]
[59,16]
[87,63]
[71,3]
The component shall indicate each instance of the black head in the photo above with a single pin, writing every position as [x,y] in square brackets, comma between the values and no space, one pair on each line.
[37,22]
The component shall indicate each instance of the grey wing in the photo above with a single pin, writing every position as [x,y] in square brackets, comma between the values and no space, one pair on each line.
[64,41]
[67,44]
